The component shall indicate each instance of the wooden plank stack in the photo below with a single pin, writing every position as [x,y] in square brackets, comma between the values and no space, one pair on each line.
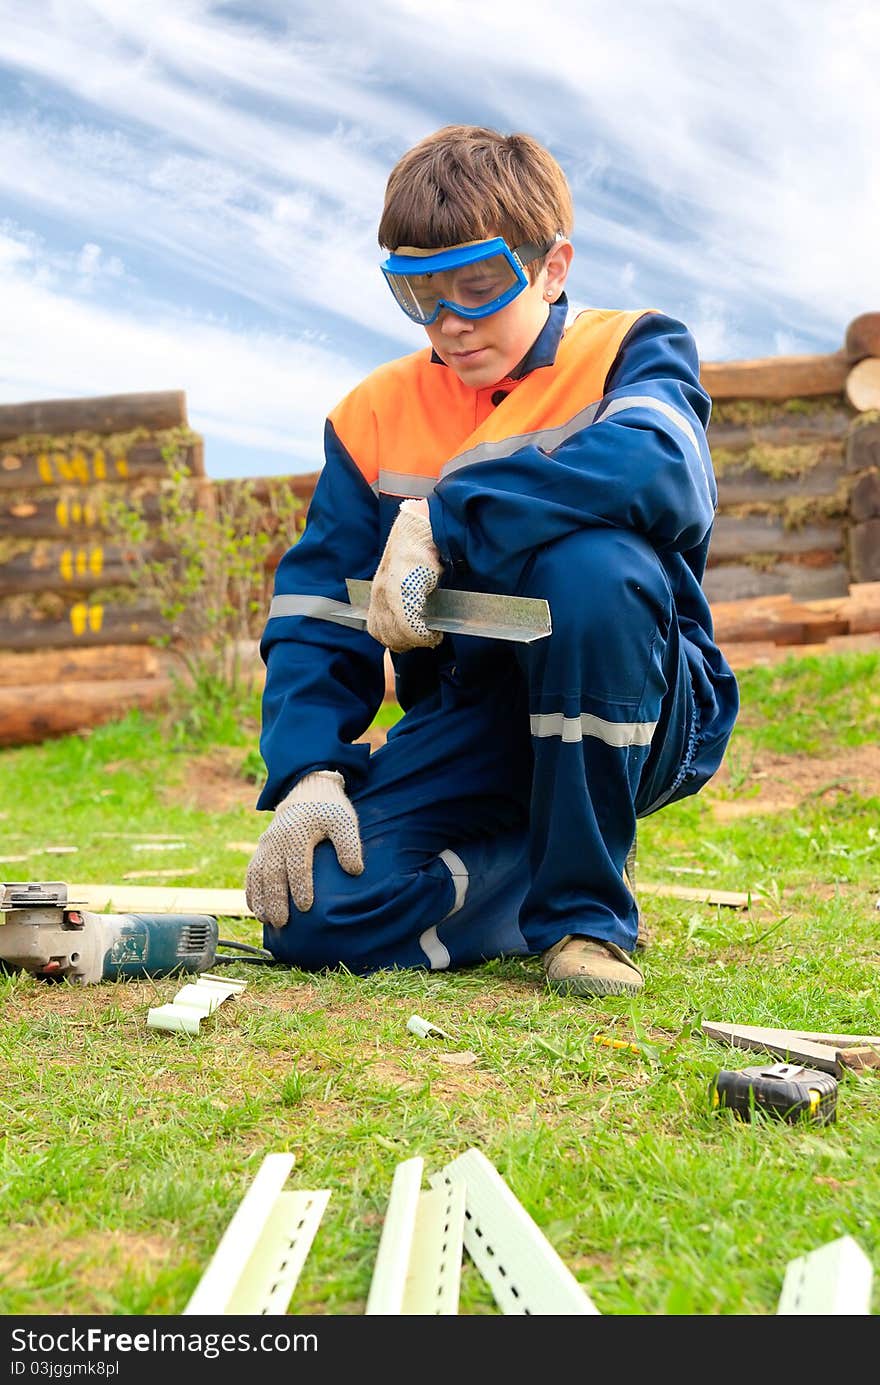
[794,563]
[766,630]
[75,639]
[796,447]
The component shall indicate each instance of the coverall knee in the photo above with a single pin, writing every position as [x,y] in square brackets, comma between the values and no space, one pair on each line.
[610,706]
[498,815]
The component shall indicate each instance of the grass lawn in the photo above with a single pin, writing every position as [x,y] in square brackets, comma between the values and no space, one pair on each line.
[126,1151]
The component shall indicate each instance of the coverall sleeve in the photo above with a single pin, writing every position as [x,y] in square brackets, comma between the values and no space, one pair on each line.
[324,681]
[641,463]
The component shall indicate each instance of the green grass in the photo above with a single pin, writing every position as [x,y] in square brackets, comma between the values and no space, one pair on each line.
[125,1151]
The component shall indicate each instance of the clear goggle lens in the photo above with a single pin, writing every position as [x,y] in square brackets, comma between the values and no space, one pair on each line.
[470,280]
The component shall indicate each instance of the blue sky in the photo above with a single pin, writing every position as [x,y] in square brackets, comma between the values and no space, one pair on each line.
[189,191]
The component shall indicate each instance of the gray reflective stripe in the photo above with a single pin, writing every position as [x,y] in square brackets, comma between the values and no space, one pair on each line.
[434,950]
[619,733]
[460,878]
[429,942]
[658,406]
[547,438]
[306,606]
[402,483]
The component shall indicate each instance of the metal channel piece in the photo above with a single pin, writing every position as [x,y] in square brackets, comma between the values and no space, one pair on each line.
[258,1260]
[520,618]
[513,1255]
[835,1279]
[418,1263]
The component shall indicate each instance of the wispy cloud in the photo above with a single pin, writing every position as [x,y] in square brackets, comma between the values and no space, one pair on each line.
[216,173]
[258,389]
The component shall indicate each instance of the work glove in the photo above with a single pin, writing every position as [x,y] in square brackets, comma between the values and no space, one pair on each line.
[316,808]
[408,572]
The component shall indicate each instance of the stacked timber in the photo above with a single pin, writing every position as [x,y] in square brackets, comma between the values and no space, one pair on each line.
[76,639]
[768,629]
[795,443]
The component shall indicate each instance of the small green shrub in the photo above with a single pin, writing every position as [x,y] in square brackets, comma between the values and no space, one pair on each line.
[208,566]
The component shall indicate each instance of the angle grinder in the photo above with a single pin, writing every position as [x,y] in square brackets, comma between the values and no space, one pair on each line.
[45,932]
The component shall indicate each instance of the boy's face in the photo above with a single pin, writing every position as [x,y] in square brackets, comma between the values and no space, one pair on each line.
[482,351]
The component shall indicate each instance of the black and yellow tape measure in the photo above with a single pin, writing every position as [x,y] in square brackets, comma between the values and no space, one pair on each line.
[784,1090]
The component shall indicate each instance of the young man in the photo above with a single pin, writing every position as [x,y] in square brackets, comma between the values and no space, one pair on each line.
[517,455]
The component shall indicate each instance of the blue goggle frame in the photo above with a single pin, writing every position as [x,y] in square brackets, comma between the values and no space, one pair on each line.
[399,269]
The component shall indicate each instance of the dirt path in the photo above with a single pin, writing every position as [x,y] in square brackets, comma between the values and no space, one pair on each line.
[769,783]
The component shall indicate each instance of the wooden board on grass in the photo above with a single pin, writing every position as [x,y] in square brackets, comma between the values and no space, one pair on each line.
[160,899]
[225,903]
[828,1052]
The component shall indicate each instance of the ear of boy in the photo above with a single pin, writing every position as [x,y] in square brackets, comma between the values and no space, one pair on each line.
[409,570]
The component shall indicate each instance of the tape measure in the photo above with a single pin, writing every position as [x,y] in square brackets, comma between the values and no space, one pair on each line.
[784,1090]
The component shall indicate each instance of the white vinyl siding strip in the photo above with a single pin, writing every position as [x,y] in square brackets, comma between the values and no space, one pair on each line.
[616,733]
[460,878]
[418,1263]
[257,1262]
[434,950]
[835,1279]
[526,1275]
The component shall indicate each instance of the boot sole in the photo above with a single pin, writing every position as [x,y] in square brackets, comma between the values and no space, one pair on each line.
[594,986]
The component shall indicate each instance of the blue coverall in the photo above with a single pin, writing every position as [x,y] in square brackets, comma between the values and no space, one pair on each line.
[498,816]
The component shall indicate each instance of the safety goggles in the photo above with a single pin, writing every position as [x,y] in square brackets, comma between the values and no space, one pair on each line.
[471,280]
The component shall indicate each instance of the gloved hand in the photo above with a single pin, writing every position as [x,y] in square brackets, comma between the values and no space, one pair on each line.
[316,808]
[409,570]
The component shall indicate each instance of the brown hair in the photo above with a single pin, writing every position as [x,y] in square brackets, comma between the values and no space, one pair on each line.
[466,182]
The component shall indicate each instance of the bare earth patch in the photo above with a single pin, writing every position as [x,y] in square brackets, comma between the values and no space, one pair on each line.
[779,783]
[108,1254]
[773,783]
[215,782]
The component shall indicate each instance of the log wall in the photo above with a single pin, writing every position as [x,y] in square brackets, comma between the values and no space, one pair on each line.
[795,444]
[76,639]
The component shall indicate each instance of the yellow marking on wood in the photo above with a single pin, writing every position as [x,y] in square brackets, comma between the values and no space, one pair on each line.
[78,617]
[122,466]
[44,467]
[61,513]
[80,467]
[96,561]
[99,464]
[62,466]
[65,565]
[96,617]
[76,512]
[80,562]
[89,514]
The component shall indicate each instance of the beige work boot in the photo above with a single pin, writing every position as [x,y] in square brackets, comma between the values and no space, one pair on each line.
[585,966]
